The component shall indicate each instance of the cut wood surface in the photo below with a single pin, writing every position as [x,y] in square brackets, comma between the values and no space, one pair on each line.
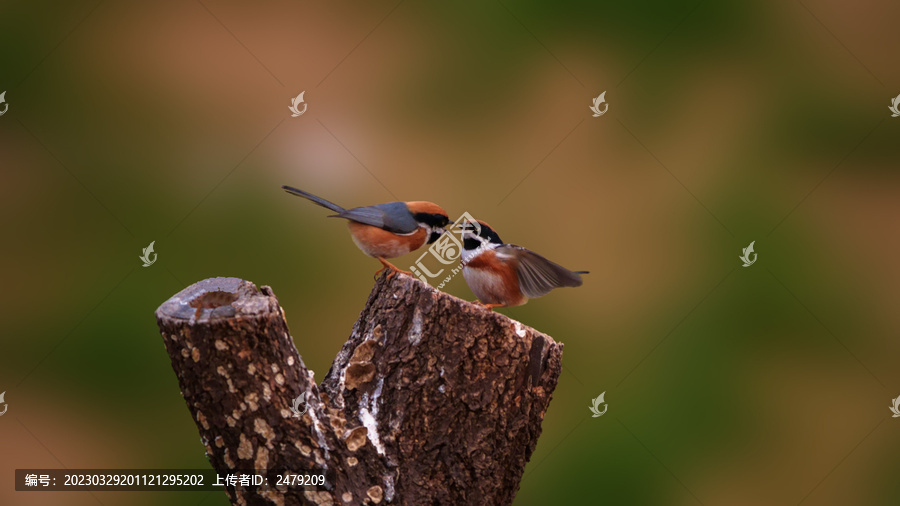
[431,400]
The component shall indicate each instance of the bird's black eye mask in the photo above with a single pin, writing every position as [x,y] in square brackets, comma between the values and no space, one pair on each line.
[484,232]
[470,243]
[432,220]
[490,235]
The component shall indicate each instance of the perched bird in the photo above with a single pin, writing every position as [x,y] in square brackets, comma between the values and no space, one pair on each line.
[503,275]
[387,230]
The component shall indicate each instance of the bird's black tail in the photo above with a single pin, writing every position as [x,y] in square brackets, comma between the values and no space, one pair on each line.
[582,272]
[318,200]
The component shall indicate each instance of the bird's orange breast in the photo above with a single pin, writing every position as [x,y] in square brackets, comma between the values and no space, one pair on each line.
[493,281]
[377,242]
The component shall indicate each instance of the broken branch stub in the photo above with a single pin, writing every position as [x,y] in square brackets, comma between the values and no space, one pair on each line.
[431,400]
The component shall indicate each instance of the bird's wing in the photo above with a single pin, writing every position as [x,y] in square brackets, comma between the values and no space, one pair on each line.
[393,217]
[537,275]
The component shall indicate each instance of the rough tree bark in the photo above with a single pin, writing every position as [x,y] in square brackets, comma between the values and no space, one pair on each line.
[432,399]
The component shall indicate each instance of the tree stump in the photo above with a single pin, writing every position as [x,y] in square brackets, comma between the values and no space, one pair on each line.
[432,399]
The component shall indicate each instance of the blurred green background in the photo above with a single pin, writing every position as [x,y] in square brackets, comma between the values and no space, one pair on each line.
[728,122]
